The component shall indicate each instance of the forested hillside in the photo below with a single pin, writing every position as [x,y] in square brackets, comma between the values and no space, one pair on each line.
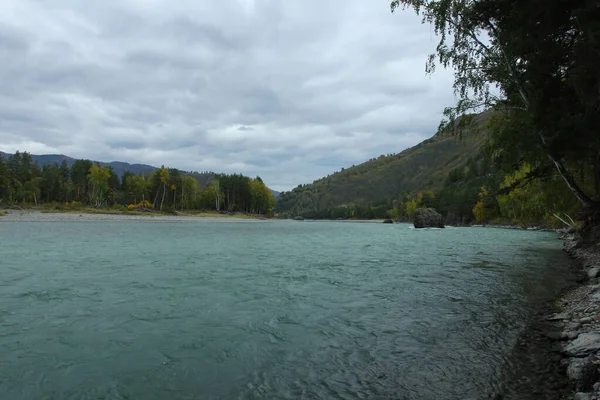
[23,182]
[382,181]
[456,172]
[534,65]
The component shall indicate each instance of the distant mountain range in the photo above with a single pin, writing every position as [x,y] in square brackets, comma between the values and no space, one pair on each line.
[118,167]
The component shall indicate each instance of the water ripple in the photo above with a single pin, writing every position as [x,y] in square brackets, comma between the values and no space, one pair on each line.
[253,311]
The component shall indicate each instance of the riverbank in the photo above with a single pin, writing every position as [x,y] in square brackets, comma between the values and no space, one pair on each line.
[559,355]
[83,216]
[575,325]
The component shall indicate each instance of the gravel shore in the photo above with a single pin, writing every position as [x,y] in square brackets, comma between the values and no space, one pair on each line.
[37,216]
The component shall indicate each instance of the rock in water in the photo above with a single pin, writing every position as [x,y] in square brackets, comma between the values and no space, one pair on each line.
[427,218]
[388,221]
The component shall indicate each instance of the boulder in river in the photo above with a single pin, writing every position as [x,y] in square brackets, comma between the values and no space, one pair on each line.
[427,218]
[388,221]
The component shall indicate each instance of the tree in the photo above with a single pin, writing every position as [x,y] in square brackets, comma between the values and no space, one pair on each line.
[98,179]
[51,184]
[164,176]
[215,188]
[5,187]
[486,208]
[127,187]
[65,181]
[135,186]
[79,177]
[190,191]
[541,57]
[114,185]
[174,182]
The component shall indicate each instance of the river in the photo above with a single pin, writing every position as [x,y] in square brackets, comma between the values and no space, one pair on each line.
[266,310]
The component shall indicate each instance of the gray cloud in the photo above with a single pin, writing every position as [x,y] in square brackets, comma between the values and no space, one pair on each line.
[290,91]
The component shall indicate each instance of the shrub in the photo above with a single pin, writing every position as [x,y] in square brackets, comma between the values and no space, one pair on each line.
[141,204]
[75,205]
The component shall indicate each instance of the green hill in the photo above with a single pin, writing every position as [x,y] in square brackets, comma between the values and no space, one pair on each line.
[383,180]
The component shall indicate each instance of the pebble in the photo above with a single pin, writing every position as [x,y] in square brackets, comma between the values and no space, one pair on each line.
[558,317]
[573,326]
[585,320]
[582,396]
[596,386]
[572,335]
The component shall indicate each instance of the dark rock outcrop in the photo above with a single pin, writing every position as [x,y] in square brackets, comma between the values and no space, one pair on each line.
[428,218]
[388,221]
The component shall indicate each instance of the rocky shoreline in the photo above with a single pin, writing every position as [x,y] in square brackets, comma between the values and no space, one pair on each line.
[575,326]
[559,355]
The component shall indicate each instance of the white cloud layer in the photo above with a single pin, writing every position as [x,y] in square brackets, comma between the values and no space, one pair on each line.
[288,90]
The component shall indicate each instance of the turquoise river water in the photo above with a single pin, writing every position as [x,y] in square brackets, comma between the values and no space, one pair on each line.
[266,310]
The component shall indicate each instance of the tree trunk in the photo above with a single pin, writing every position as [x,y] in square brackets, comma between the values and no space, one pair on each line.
[583,198]
[155,199]
[163,197]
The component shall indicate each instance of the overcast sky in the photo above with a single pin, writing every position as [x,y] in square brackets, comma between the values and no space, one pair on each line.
[288,90]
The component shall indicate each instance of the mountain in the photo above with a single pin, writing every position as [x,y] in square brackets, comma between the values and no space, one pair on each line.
[384,179]
[118,167]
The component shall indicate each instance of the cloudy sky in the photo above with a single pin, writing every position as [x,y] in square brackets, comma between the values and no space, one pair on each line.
[288,90]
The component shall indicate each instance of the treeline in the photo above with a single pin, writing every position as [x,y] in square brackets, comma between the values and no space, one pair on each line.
[482,194]
[24,182]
